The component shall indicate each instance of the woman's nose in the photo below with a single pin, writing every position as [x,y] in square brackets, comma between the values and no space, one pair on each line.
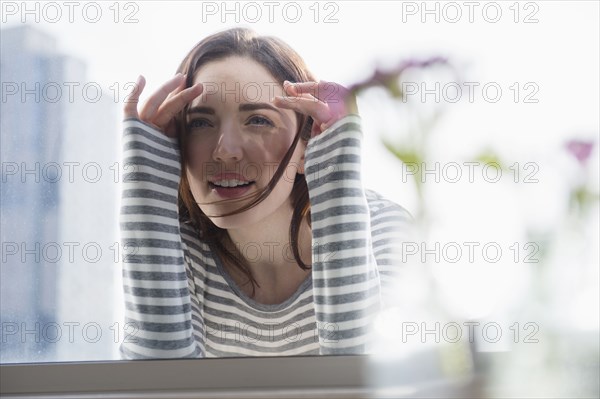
[229,145]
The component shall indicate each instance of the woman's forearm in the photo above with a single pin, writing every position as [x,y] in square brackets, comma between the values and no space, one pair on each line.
[345,277]
[157,299]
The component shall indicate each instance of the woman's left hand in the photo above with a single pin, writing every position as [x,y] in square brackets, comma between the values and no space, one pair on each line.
[325,102]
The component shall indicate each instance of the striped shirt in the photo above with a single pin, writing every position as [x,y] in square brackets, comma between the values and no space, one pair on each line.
[183,303]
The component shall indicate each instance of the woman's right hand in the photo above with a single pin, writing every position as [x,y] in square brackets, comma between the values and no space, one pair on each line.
[162,106]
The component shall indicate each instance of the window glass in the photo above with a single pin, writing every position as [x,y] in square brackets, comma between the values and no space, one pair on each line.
[492,149]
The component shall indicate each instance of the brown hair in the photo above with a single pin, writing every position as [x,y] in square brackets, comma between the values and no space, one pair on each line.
[284,64]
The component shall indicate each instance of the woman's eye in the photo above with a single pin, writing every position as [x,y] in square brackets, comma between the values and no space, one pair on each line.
[199,124]
[260,121]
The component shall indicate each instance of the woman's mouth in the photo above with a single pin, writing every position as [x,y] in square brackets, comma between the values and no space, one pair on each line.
[230,189]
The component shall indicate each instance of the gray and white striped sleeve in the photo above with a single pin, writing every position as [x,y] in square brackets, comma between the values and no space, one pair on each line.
[391,227]
[346,283]
[155,282]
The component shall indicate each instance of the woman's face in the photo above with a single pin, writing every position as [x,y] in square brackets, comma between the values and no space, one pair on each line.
[235,136]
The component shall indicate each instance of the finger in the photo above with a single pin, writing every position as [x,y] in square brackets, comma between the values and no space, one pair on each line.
[155,101]
[323,90]
[179,88]
[318,110]
[294,97]
[326,125]
[131,103]
[289,88]
[173,105]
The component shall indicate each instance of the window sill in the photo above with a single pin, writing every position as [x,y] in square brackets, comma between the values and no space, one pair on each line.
[275,377]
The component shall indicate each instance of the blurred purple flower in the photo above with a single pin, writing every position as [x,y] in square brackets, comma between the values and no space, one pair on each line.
[389,79]
[580,149]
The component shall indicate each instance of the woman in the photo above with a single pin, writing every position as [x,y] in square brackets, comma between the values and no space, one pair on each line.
[257,238]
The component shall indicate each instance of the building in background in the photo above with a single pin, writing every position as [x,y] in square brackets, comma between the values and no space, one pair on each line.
[58,205]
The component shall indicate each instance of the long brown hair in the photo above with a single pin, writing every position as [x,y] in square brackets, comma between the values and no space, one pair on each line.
[284,64]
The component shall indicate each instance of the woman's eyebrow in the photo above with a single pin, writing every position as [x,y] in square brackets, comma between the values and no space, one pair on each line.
[243,107]
[255,106]
[201,110]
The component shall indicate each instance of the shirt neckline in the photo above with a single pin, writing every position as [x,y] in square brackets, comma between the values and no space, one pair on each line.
[251,302]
